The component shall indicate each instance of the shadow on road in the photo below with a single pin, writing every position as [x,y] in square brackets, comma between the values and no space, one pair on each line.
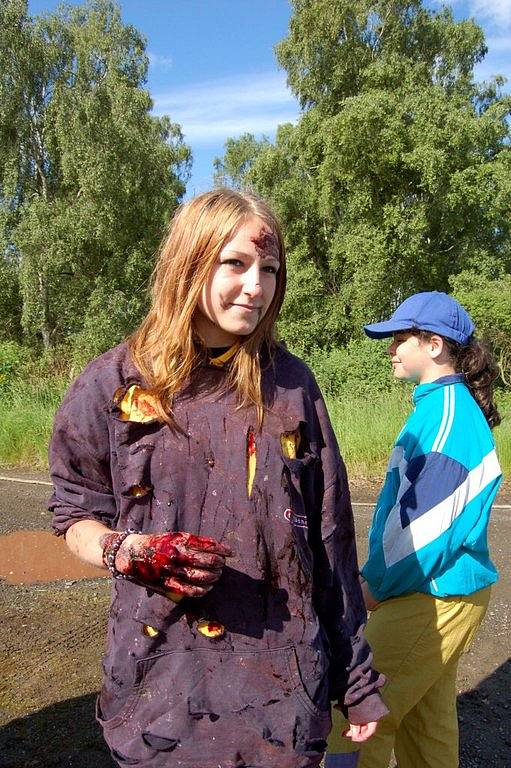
[478,711]
[64,735]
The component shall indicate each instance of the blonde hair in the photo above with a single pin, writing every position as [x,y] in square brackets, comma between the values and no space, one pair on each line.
[164,347]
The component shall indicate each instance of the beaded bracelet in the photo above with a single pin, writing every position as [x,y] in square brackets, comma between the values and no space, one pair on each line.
[110,553]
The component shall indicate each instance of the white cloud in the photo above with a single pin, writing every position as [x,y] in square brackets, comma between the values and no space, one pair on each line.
[212,111]
[495,12]
[499,44]
[156,61]
[220,130]
[497,61]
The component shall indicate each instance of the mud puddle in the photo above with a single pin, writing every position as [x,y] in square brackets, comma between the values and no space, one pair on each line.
[33,557]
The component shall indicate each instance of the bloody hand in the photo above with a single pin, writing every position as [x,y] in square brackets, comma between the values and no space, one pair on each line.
[180,562]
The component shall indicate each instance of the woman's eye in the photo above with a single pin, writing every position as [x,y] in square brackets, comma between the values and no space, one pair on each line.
[232,262]
[270,269]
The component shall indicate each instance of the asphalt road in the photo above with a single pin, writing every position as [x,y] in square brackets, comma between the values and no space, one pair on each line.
[52,636]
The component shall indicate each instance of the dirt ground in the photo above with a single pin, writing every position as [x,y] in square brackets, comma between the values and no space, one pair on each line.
[52,636]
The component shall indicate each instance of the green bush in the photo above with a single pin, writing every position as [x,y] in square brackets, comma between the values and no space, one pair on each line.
[360,369]
[27,420]
[503,431]
[366,428]
[109,316]
[489,303]
[14,360]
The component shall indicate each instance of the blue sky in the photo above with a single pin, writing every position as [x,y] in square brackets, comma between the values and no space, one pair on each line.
[213,70]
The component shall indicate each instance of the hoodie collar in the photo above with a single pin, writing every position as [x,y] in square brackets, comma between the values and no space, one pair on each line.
[219,361]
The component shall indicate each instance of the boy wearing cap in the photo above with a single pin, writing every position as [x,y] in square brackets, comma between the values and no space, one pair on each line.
[428,574]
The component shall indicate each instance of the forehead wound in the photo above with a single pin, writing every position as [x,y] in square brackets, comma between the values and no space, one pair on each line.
[266,243]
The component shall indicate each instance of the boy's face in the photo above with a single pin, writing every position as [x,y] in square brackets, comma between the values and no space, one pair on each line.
[410,357]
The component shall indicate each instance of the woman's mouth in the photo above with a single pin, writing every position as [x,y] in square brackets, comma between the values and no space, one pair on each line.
[248,307]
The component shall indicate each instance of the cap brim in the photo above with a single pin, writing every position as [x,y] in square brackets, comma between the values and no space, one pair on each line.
[387,328]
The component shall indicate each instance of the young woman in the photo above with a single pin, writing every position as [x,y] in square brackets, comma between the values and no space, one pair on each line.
[428,574]
[197,463]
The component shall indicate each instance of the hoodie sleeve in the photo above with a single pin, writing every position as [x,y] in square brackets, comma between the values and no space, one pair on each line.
[79,458]
[337,595]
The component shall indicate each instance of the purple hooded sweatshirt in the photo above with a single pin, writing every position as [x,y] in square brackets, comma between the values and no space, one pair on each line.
[288,604]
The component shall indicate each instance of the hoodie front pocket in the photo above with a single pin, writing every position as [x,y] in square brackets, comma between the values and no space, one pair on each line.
[184,699]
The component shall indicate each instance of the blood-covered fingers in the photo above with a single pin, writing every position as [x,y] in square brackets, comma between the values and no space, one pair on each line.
[199,559]
[191,563]
[181,587]
[197,575]
[206,544]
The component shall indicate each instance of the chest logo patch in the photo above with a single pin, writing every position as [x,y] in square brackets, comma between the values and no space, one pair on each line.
[300,521]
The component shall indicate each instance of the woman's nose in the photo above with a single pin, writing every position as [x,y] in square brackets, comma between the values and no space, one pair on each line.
[252,284]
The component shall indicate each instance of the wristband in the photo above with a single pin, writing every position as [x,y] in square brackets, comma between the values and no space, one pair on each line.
[111,549]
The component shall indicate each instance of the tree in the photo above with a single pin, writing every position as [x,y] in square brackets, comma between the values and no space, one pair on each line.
[397,175]
[88,177]
[239,156]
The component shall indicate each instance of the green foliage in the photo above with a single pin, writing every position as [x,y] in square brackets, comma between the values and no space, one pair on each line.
[239,156]
[397,176]
[110,315]
[339,48]
[27,420]
[10,301]
[88,177]
[361,369]
[503,431]
[14,360]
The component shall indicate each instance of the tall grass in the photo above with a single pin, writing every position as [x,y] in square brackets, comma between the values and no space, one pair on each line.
[26,419]
[366,427]
[503,433]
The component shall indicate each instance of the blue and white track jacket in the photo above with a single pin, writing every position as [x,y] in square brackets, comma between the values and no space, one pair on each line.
[429,531]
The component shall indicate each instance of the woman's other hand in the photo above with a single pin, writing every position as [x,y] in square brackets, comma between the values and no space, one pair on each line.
[361,732]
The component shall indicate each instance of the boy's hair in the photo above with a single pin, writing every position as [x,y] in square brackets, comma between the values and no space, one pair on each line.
[477,362]
[165,348]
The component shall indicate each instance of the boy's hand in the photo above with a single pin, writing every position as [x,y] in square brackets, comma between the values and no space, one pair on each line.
[369,600]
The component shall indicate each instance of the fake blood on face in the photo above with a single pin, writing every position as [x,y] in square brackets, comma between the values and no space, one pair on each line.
[266,244]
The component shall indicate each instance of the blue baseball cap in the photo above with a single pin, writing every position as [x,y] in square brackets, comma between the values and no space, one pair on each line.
[431,311]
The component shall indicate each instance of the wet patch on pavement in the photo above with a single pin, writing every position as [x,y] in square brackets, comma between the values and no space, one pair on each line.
[33,557]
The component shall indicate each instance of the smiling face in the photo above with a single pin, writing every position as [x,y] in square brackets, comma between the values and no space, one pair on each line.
[240,287]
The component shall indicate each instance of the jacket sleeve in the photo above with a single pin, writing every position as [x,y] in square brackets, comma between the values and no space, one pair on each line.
[438,504]
[337,595]
[79,458]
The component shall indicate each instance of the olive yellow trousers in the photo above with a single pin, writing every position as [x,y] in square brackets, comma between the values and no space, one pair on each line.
[417,641]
